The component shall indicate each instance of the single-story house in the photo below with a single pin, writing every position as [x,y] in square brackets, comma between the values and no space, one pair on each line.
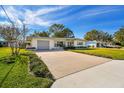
[49,43]
[96,44]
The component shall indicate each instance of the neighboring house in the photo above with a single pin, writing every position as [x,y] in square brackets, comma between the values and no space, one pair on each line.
[54,43]
[3,44]
[96,44]
[92,44]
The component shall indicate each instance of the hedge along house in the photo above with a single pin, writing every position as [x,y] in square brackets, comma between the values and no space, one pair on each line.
[49,43]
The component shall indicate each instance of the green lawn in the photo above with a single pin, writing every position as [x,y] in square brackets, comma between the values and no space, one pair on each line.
[17,75]
[103,52]
[4,52]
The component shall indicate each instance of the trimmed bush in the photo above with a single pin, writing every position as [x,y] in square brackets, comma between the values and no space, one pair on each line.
[37,67]
[1,45]
[66,48]
[78,47]
[81,47]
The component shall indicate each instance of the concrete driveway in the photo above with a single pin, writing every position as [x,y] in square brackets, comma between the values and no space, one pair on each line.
[63,63]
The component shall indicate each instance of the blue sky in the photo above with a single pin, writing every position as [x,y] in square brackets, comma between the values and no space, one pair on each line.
[79,19]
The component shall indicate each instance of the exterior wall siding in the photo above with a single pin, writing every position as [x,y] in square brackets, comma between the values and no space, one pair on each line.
[51,44]
[75,43]
[34,43]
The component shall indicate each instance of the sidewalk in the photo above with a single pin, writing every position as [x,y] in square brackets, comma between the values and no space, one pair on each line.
[107,75]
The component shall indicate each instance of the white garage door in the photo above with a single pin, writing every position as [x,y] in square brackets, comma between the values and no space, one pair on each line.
[42,44]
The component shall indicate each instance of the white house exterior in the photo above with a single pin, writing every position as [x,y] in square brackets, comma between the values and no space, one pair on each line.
[42,43]
[95,44]
[91,44]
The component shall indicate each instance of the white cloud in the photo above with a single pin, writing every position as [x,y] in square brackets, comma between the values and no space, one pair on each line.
[5,23]
[98,11]
[35,17]
[30,17]
[89,13]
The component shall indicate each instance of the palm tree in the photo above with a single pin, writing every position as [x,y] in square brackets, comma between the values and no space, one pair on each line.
[59,30]
[56,28]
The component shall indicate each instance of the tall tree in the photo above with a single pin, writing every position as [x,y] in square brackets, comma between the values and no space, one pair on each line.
[92,35]
[105,37]
[59,30]
[56,28]
[100,36]
[119,36]
[108,37]
[67,33]
[14,36]
[41,34]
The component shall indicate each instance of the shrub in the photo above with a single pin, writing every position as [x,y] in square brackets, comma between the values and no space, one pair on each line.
[40,71]
[122,43]
[37,67]
[77,47]
[31,48]
[81,47]
[71,47]
[23,59]
[1,45]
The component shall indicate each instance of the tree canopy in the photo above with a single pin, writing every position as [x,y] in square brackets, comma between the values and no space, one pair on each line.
[119,36]
[56,28]
[41,34]
[92,35]
[59,30]
[98,36]
[14,36]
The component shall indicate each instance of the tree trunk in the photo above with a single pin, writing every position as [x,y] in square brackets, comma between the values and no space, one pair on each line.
[16,48]
[12,48]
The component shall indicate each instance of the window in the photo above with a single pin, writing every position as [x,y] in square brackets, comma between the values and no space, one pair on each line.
[59,44]
[70,44]
[80,43]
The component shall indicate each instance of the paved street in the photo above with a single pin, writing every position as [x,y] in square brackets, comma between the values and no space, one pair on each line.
[108,75]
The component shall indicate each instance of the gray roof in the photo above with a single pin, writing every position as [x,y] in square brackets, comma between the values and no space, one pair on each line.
[55,38]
